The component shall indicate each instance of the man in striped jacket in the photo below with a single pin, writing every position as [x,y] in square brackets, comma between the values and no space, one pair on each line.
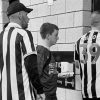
[87,55]
[18,60]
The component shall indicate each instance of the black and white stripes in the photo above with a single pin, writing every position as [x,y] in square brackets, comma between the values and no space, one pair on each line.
[88,55]
[15,81]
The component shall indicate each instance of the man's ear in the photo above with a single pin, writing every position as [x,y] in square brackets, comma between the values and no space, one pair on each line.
[47,36]
[20,15]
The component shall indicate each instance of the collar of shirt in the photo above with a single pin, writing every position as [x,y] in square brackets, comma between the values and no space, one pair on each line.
[14,25]
[42,43]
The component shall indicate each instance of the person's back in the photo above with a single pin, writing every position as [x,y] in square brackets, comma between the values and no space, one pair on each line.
[87,53]
[19,72]
[14,76]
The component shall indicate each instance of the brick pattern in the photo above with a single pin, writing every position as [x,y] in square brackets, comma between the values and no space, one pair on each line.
[62,36]
[36,23]
[26,2]
[66,20]
[33,2]
[51,19]
[58,7]
[82,18]
[77,5]
[43,10]
[73,34]
[71,19]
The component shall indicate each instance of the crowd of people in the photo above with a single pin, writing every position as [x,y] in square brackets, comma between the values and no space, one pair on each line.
[29,73]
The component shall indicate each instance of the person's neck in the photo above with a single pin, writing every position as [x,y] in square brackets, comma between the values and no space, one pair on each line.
[97,27]
[45,44]
[15,21]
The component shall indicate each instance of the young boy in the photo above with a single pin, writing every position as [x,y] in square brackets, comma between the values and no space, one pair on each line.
[46,63]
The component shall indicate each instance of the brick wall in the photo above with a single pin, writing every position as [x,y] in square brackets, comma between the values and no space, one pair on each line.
[71,16]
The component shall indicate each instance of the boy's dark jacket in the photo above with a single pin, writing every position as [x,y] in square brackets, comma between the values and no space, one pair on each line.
[48,80]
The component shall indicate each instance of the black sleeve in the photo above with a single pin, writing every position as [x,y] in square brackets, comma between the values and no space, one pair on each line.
[76,51]
[31,67]
[76,54]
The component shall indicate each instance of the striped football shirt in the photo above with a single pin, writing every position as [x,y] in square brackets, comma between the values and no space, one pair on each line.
[87,53]
[15,44]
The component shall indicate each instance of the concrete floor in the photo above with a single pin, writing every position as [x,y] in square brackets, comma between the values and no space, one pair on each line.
[68,94]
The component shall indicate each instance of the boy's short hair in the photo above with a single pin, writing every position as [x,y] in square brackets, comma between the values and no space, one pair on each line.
[47,28]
